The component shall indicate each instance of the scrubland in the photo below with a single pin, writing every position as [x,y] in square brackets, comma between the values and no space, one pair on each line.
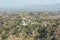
[29,26]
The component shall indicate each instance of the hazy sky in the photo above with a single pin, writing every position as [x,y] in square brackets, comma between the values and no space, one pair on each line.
[22,3]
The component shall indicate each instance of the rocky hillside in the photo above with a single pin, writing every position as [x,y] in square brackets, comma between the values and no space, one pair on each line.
[29,26]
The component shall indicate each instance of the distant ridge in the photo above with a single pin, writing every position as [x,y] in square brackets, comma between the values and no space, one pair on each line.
[52,7]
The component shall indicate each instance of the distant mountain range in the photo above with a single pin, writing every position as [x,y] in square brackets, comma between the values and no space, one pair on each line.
[52,7]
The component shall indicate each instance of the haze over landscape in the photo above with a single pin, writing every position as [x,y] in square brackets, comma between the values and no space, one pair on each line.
[30,4]
[29,19]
